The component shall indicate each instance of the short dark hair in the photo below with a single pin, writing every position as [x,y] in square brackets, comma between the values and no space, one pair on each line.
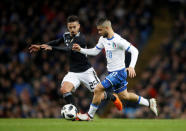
[101,21]
[72,18]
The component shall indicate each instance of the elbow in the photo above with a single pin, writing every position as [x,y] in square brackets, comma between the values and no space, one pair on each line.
[134,51]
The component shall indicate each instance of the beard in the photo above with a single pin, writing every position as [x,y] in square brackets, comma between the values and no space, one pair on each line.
[73,34]
[105,35]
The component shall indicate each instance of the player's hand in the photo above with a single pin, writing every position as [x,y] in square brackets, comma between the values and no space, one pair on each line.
[76,47]
[131,72]
[34,48]
[46,47]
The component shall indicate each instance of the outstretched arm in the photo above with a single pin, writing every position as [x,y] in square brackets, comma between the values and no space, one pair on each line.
[51,45]
[93,51]
[55,42]
[55,48]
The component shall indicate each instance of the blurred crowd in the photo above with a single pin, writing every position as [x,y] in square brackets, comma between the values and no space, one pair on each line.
[29,83]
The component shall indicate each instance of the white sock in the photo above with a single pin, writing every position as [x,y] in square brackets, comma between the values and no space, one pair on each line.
[92,110]
[143,101]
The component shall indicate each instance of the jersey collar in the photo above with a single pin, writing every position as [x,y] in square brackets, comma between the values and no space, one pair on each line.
[110,38]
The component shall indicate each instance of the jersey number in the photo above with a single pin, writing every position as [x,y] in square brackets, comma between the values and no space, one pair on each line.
[92,84]
[109,53]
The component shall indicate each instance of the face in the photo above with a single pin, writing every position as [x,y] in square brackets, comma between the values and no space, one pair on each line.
[102,31]
[73,28]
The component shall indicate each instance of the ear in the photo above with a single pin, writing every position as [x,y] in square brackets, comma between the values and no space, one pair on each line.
[106,27]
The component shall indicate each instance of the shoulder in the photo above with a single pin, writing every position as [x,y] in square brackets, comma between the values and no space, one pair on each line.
[101,38]
[66,34]
[80,38]
[119,38]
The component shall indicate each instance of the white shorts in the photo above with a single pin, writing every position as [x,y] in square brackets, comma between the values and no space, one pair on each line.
[88,78]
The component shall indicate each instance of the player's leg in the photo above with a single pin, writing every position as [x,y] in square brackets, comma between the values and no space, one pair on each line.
[90,80]
[98,93]
[66,91]
[125,95]
[70,83]
[129,96]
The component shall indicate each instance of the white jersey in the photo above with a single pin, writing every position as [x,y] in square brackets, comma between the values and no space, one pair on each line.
[115,48]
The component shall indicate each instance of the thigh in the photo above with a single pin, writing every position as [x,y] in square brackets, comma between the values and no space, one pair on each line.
[116,81]
[71,77]
[89,79]
[122,94]
[100,88]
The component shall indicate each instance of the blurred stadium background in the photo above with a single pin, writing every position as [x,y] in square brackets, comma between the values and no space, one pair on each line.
[29,84]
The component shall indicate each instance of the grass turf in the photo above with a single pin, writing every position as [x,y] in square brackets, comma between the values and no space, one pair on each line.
[96,125]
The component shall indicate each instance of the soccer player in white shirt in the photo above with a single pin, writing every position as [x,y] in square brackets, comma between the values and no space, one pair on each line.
[115,47]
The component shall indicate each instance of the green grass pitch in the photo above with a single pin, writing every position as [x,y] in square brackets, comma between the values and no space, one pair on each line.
[96,125]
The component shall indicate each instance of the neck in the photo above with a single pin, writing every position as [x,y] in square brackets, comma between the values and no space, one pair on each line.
[72,35]
[110,34]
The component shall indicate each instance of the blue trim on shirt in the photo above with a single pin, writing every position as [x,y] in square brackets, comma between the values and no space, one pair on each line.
[110,38]
[98,48]
[128,48]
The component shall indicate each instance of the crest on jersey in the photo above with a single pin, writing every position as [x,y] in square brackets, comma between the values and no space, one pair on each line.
[114,45]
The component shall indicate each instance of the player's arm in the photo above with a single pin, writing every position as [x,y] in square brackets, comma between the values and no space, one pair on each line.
[55,42]
[93,51]
[134,56]
[53,46]
[48,46]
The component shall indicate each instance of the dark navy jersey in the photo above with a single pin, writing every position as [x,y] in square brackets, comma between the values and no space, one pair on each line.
[78,62]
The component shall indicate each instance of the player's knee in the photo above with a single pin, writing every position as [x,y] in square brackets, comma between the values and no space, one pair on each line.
[66,87]
[64,90]
[97,90]
[125,96]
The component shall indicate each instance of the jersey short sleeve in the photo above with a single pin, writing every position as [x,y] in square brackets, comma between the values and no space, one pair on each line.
[124,44]
[100,45]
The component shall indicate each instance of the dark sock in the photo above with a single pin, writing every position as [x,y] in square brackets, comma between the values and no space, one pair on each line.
[110,96]
[69,98]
